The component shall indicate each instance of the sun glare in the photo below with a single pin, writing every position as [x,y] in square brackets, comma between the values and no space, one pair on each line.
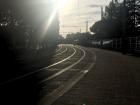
[62,3]
[61,7]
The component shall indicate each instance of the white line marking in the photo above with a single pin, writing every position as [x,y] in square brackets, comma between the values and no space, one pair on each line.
[61,52]
[28,74]
[86,71]
[59,49]
[67,68]
[57,93]
[61,60]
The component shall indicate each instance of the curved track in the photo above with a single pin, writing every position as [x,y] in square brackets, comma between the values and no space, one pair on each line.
[68,65]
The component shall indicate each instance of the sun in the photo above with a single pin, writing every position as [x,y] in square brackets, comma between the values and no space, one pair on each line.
[62,3]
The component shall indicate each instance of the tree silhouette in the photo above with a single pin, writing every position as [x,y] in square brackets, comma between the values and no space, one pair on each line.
[111,25]
[21,24]
[24,21]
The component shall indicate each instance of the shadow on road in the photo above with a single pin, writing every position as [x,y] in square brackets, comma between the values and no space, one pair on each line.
[23,91]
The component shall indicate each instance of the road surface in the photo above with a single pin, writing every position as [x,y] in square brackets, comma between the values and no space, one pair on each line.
[77,75]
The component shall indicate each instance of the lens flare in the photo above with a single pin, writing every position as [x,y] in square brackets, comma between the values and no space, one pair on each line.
[59,5]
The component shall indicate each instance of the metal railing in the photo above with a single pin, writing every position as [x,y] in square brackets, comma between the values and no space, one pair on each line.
[132,44]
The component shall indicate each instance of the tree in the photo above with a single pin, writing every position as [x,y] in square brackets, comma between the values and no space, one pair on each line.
[26,20]
[111,25]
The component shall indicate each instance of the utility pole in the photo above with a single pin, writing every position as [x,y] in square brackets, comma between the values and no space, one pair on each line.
[102,13]
[134,14]
[124,17]
[80,30]
[77,3]
[124,40]
[86,26]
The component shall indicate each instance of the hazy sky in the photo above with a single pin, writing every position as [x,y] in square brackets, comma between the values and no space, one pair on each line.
[77,12]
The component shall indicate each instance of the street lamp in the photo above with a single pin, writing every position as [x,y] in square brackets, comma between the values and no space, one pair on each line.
[123,22]
[124,40]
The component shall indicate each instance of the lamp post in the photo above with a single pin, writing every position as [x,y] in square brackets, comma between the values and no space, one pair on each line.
[124,40]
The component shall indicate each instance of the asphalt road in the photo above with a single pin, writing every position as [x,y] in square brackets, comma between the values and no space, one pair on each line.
[77,75]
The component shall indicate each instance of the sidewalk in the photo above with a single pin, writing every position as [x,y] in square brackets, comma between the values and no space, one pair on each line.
[114,80]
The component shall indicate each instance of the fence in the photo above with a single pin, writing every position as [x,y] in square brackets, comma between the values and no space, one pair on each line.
[132,44]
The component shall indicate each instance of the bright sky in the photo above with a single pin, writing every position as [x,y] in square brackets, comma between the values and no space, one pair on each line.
[76,12]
